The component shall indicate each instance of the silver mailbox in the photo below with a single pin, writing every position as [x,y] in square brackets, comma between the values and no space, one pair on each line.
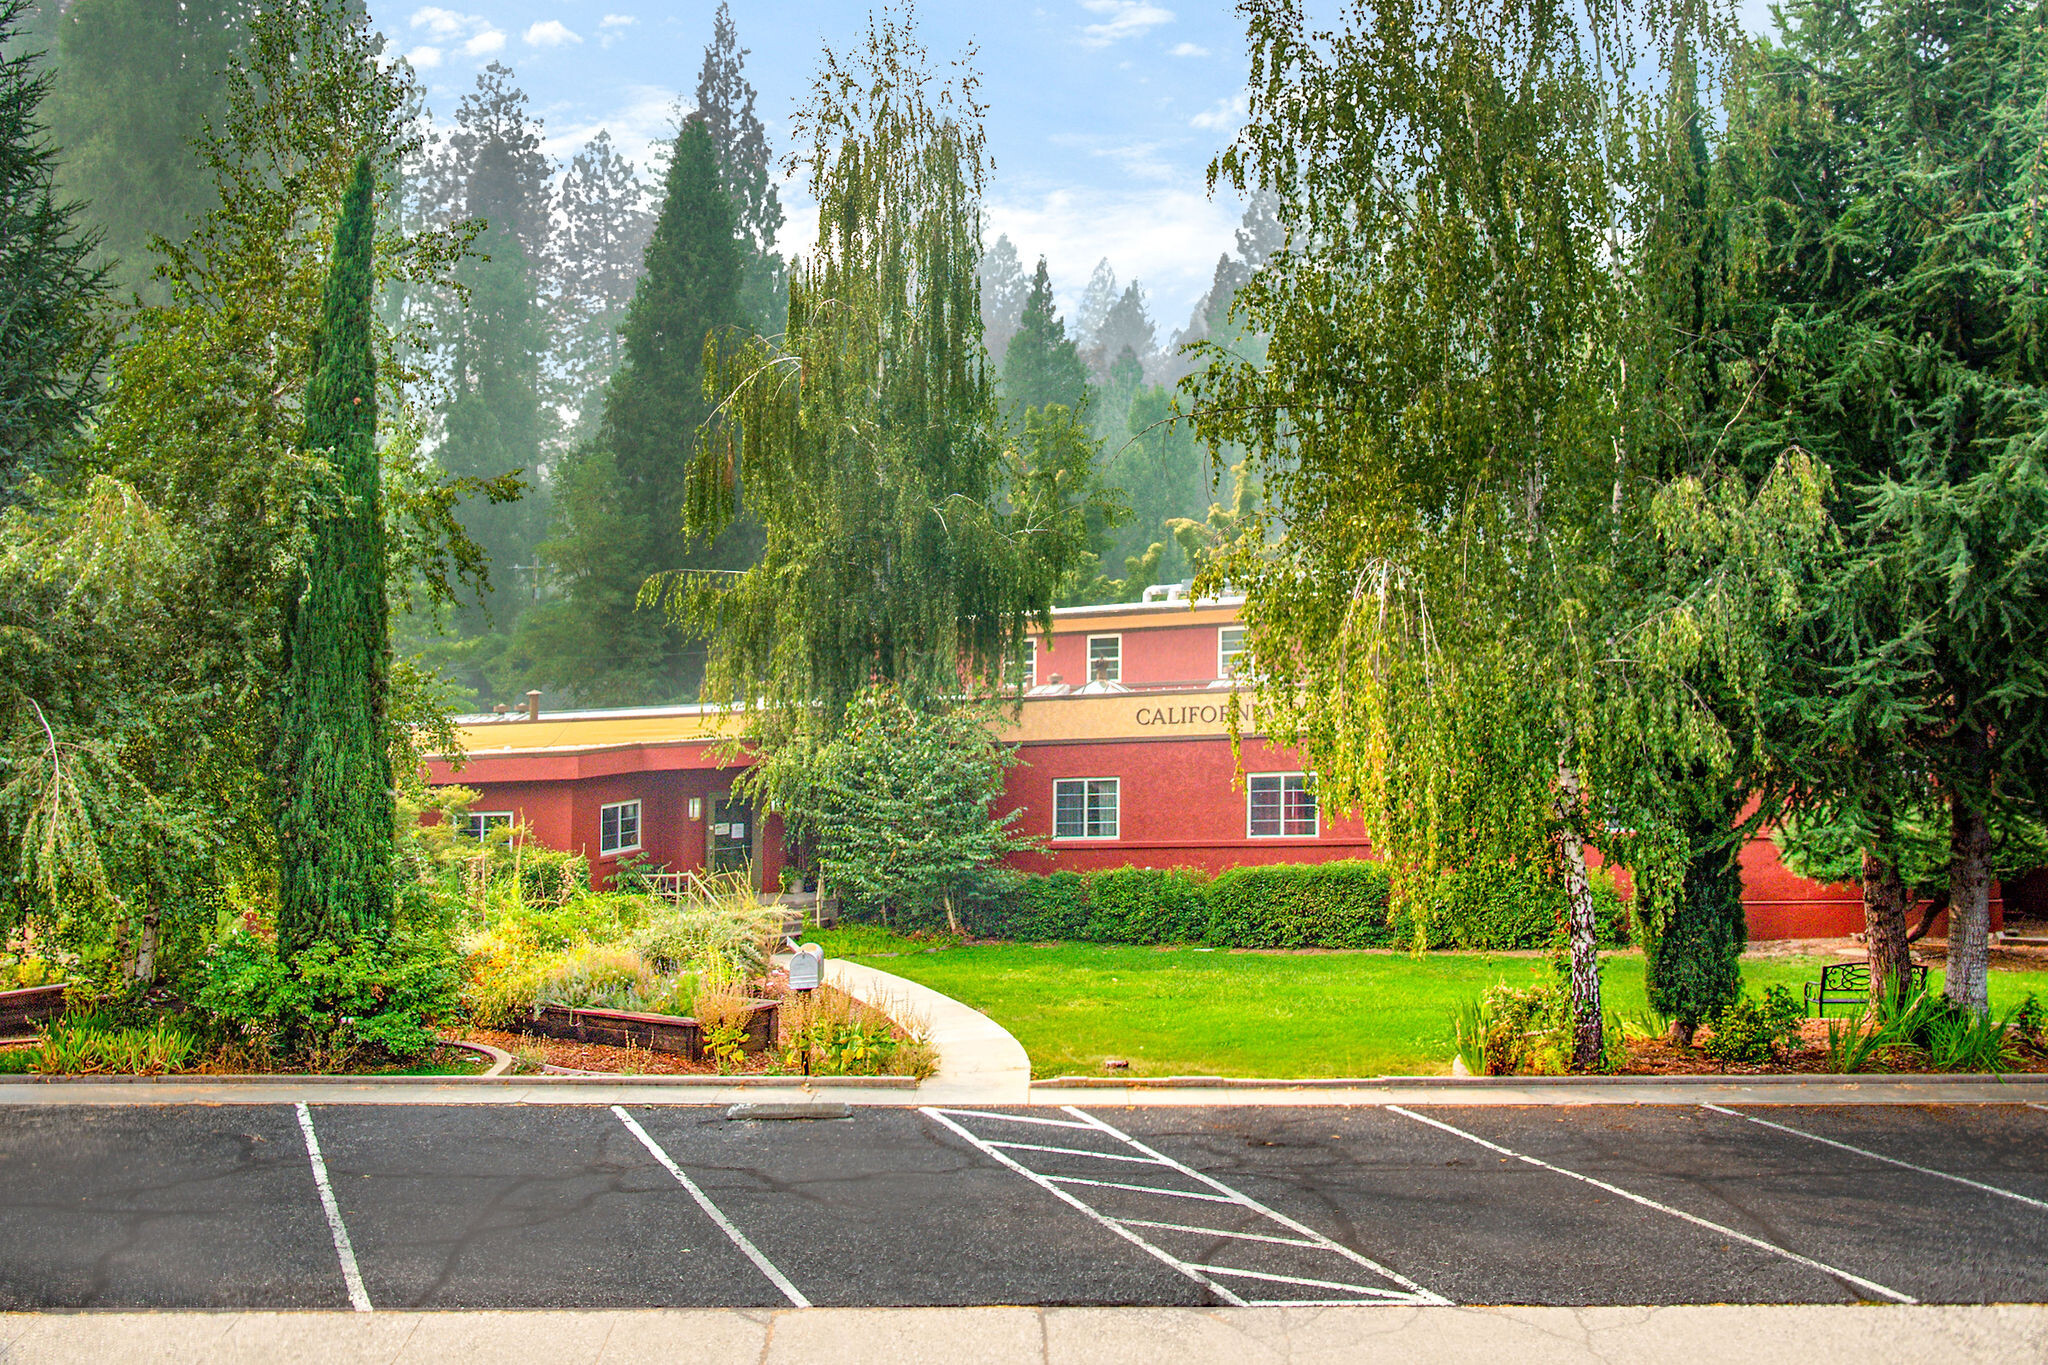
[807,968]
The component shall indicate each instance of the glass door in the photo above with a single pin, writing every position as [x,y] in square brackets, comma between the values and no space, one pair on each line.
[732,836]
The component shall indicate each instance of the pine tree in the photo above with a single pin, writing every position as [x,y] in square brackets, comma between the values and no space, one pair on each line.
[603,225]
[1097,298]
[1040,365]
[1127,326]
[335,808]
[725,105]
[137,84]
[51,341]
[621,517]
[1004,291]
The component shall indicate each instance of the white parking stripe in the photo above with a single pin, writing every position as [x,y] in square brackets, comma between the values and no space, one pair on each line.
[1220,1232]
[1141,1189]
[1075,1151]
[1880,1156]
[1312,1284]
[1873,1286]
[351,1274]
[739,1239]
[1017,1118]
[2042,1107]
[1119,1229]
[1241,1198]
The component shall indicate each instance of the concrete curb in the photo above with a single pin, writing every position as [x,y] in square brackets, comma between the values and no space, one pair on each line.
[498,1081]
[501,1060]
[1852,1081]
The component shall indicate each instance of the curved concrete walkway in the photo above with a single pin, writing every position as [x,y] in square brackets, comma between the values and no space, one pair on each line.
[979,1062]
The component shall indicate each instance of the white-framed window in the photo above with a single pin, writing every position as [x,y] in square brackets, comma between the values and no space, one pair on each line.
[1229,648]
[1280,806]
[618,827]
[1027,661]
[1084,808]
[482,822]
[1105,658]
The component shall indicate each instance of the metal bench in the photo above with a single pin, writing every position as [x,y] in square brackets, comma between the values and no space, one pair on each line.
[1848,983]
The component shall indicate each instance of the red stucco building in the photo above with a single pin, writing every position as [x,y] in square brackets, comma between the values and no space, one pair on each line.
[1124,758]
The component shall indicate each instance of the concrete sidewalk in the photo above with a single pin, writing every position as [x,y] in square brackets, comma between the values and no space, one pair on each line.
[979,1062]
[1794,1335]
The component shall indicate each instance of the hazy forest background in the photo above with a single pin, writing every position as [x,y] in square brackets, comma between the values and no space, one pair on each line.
[574,364]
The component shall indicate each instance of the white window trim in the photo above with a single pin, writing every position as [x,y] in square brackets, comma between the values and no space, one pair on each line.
[1088,663]
[508,816]
[1089,838]
[1030,660]
[1315,833]
[639,818]
[1224,672]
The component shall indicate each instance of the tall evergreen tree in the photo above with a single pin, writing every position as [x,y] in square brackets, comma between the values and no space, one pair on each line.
[138,81]
[335,807]
[1127,326]
[1041,366]
[51,340]
[1097,298]
[725,105]
[603,222]
[1004,291]
[620,518]
[902,544]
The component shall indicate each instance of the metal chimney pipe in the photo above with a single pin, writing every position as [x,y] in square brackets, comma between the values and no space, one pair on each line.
[533,706]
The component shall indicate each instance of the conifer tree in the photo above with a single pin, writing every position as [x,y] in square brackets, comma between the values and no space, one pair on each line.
[1003,292]
[725,105]
[50,343]
[620,520]
[335,807]
[1041,365]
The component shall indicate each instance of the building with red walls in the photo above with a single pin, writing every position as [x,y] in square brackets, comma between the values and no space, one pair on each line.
[1124,758]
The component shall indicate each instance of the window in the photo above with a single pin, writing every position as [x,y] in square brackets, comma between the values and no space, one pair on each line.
[1229,646]
[1027,661]
[1105,658]
[1084,808]
[618,828]
[1282,805]
[482,822]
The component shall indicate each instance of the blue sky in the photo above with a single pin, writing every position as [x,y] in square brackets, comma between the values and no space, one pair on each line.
[1103,114]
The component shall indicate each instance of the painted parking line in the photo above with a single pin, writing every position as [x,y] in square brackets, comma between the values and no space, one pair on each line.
[1880,1156]
[1203,1269]
[1882,1291]
[725,1225]
[351,1274]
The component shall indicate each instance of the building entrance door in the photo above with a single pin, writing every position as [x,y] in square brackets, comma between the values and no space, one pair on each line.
[732,836]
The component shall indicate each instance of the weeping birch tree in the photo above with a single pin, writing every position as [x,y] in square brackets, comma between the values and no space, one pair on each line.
[908,540]
[1484,577]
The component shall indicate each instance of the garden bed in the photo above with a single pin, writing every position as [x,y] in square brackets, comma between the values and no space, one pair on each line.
[669,1034]
[1662,1057]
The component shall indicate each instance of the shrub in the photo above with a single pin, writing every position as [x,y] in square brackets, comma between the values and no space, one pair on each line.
[1528,1031]
[597,977]
[1752,1029]
[82,1044]
[326,1006]
[1301,905]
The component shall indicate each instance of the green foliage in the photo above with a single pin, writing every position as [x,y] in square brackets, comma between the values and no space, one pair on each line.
[900,544]
[329,1005]
[620,507]
[1752,1029]
[335,809]
[1041,365]
[898,805]
[1529,1032]
[52,334]
[1693,950]
[85,1043]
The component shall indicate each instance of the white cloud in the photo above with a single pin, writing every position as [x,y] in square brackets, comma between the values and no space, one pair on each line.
[424,57]
[477,34]
[645,119]
[613,27]
[616,21]
[1224,114]
[1167,237]
[1122,19]
[1189,50]
[550,33]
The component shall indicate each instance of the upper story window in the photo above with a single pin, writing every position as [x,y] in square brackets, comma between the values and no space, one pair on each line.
[1280,805]
[1027,661]
[1084,808]
[618,828]
[1229,650]
[482,822]
[1105,658]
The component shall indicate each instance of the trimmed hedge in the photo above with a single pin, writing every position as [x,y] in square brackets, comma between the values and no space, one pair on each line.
[1278,905]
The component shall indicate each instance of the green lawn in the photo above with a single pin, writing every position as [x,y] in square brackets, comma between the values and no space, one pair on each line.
[1186,1012]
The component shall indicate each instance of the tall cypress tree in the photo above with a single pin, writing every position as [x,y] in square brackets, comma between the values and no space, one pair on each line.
[335,808]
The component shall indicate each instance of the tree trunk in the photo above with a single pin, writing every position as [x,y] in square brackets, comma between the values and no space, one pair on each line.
[1967,983]
[1584,931]
[1884,933]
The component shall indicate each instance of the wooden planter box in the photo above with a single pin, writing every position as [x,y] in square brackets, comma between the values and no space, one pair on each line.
[29,1005]
[670,1033]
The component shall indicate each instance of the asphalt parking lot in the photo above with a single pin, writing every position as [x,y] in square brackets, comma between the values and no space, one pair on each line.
[506,1206]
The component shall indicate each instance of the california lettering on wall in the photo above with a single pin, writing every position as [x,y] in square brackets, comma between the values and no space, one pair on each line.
[1192,713]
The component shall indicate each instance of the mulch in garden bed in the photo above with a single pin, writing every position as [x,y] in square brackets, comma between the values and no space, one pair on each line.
[634,1061]
[1661,1057]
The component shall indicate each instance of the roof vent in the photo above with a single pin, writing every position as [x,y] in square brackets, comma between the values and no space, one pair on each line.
[533,706]
[1169,592]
